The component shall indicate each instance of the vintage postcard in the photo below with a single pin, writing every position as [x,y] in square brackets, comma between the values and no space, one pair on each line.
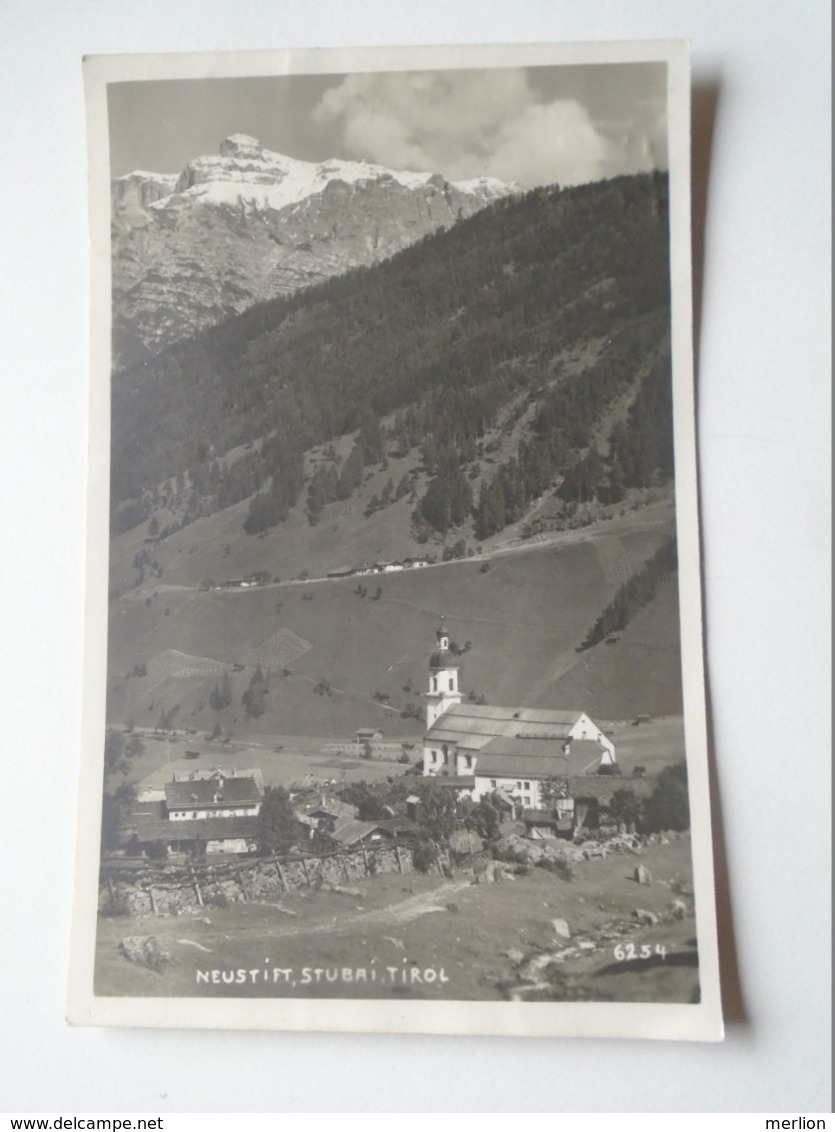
[394,700]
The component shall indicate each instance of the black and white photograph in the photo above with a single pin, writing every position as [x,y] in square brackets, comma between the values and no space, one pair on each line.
[398,717]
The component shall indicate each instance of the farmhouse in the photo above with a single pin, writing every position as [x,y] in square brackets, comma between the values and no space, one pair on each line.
[219,811]
[369,735]
[348,831]
[322,811]
[219,796]
[508,750]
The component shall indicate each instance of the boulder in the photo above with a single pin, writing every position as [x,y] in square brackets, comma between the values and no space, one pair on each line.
[145,951]
[517,849]
[561,927]
[677,909]
[642,875]
[645,917]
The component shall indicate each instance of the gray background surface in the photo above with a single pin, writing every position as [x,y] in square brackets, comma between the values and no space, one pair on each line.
[761,72]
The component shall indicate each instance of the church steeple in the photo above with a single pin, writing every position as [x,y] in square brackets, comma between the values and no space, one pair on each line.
[443,678]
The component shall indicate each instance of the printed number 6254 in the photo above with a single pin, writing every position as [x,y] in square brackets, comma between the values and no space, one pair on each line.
[626,951]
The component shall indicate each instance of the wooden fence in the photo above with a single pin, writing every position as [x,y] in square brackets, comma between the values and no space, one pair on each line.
[148,889]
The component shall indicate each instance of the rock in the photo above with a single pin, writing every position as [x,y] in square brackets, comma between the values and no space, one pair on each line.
[677,909]
[343,890]
[587,945]
[645,917]
[514,955]
[145,951]
[642,875]
[561,928]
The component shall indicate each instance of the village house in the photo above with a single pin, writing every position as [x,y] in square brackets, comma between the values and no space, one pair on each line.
[512,751]
[349,832]
[219,811]
[221,795]
[322,810]
[369,735]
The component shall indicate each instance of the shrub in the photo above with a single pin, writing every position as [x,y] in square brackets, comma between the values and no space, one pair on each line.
[668,806]
[424,855]
[115,904]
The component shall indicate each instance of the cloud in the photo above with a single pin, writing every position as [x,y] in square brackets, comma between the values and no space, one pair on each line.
[466,124]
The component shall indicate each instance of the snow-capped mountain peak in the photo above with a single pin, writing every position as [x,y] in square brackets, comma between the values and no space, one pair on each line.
[245,172]
[248,224]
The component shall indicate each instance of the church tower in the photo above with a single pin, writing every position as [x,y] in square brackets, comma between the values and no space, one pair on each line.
[443,679]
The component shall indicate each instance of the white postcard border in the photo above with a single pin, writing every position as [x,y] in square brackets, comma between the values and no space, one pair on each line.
[702,1021]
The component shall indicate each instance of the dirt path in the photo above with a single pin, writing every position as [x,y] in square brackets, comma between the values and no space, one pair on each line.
[391,915]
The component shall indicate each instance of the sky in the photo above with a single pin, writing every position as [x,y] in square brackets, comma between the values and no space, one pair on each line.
[532,125]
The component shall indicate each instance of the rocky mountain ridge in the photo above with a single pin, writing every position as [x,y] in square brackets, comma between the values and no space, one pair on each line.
[250,224]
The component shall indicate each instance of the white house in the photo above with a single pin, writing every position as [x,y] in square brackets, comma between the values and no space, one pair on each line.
[220,796]
[220,811]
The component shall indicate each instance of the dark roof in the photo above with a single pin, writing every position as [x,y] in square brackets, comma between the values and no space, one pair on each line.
[397,825]
[603,786]
[210,829]
[509,757]
[349,831]
[189,793]
[538,817]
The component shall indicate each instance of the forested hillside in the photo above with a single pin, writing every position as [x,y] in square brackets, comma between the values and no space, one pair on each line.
[545,317]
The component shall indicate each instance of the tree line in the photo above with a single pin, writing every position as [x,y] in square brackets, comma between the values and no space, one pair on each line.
[443,335]
[634,594]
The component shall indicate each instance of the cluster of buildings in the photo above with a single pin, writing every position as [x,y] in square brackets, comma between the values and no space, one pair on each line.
[369,568]
[220,811]
[534,760]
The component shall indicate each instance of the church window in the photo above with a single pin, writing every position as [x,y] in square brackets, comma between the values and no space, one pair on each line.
[451,684]
[434,683]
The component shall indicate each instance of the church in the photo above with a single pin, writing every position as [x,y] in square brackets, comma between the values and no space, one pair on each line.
[482,749]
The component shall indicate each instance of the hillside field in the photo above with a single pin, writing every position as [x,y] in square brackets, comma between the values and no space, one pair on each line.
[343,661]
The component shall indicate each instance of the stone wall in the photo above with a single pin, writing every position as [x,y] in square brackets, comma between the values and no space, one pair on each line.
[174,889]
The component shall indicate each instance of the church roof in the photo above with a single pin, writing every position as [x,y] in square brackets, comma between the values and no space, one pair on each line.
[472,725]
[537,758]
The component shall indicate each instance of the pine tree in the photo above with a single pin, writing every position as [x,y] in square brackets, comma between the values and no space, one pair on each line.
[254,698]
[279,828]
